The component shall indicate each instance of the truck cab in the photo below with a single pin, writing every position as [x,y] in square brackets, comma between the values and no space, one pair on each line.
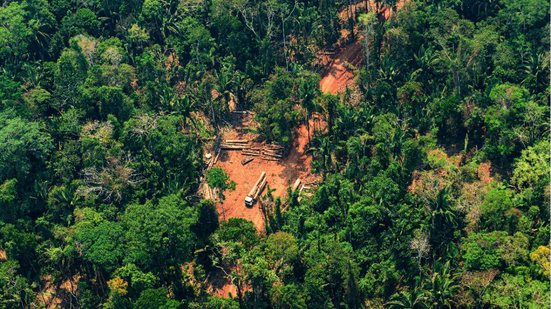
[249,201]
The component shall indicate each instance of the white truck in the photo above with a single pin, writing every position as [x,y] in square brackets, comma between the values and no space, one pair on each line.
[251,198]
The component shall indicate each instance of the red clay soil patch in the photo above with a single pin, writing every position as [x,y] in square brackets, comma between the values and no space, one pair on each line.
[219,284]
[360,7]
[280,176]
[338,76]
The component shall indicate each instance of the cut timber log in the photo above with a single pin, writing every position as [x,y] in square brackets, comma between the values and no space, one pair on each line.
[208,192]
[272,155]
[212,162]
[271,159]
[260,188]
[271,150]
[217,156]
[257,184]
[237,141]
[246,161]
[247,153]
[295,185]
[232,146]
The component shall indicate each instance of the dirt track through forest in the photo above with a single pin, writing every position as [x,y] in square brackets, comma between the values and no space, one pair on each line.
[339,73]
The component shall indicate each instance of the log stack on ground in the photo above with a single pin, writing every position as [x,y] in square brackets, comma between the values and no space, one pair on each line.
[272,152]
[251,152]
[217,156]
[269,152]
[214,160]
[226,146]
[255,189]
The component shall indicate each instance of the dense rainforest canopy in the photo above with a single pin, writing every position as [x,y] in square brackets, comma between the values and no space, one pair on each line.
[435,163]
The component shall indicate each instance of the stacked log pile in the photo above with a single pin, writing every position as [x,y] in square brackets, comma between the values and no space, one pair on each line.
[269,152]
[212,160]
[272,152]
[254,152]
[296,185]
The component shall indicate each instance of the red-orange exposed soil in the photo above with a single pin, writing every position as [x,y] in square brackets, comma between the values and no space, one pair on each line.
[280,175]
[339,74]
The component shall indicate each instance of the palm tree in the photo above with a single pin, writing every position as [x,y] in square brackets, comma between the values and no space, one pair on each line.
[443,220]
[308,91]
[535,68]
[322,153]
[367,20]
[442,287]
[442,208]
[184,106]
[408,300]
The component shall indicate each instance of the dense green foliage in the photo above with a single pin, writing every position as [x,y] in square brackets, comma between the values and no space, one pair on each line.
[105,106]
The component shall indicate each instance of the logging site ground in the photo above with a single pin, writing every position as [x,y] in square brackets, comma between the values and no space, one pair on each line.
[295,163]
[337,76]
[280,174]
